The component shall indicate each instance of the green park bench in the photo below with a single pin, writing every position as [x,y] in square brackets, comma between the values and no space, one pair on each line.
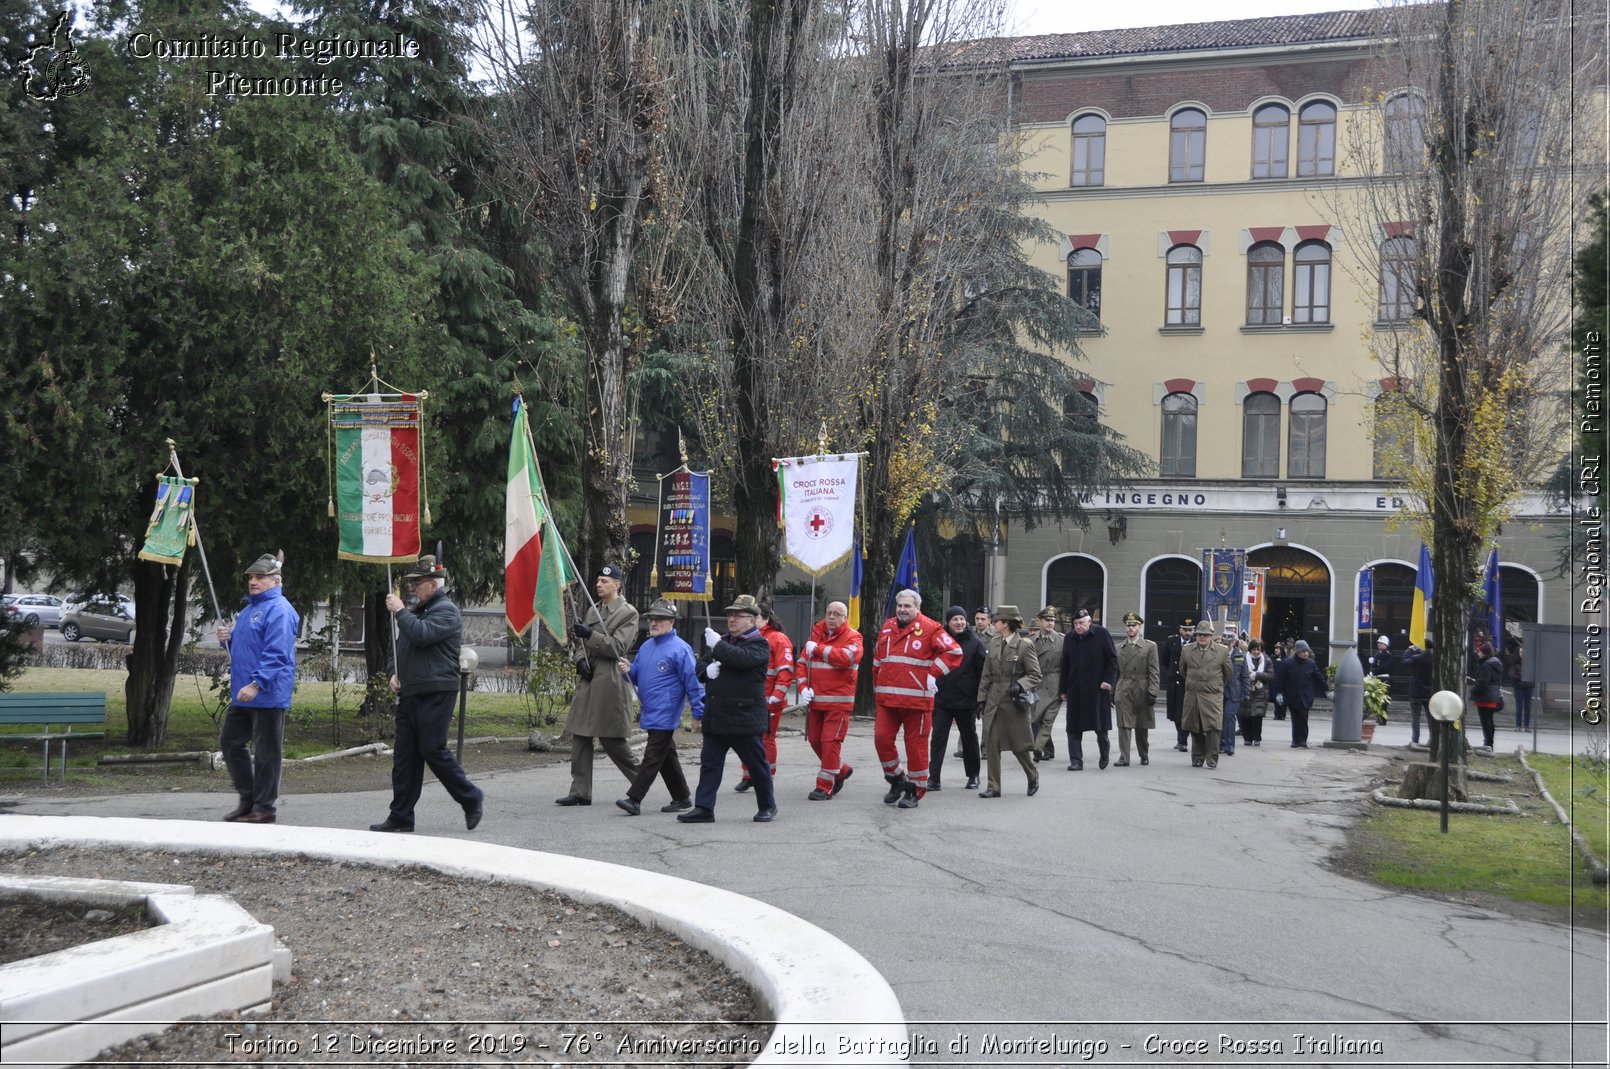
[50,710]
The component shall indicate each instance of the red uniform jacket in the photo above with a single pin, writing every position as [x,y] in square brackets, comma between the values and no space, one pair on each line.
[833,667]
[780,669]
[906,658]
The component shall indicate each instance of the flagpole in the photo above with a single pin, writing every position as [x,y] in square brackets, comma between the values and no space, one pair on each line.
[173,455]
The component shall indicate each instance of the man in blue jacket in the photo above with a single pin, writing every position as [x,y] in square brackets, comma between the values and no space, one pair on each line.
[262,676]
[666,680]
[735,715]
[425,677]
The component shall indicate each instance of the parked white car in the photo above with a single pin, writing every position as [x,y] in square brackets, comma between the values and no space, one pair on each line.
[36,610]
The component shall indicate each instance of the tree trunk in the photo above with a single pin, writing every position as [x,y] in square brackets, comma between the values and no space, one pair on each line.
[377,656]
[160,609]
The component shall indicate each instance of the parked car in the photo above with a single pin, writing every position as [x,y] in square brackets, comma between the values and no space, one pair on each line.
[35,610]
[99,618]
[80,597]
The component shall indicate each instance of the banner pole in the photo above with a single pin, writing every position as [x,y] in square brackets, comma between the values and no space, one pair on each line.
[173,455]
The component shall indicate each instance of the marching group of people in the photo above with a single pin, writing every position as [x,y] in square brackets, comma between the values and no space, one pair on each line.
[1002,688]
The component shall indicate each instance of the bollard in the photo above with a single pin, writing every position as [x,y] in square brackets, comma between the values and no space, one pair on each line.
[1347,698]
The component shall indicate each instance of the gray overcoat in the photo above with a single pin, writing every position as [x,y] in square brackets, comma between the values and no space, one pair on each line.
[1206,672]
[1011,660]
[1137,689]
[602,707]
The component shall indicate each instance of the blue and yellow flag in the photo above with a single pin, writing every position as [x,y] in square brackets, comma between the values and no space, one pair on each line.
[856,571]
[1424,586]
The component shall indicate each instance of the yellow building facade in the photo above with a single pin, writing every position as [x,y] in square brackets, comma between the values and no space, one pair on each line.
[1205,182]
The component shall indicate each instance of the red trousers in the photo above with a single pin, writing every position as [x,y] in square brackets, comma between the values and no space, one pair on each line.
[825,731]
[768,741]
[918,724]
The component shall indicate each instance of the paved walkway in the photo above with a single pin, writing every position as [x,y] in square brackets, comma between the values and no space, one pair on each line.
[1160,907]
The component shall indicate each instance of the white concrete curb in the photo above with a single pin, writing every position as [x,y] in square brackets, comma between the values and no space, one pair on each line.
[814,986]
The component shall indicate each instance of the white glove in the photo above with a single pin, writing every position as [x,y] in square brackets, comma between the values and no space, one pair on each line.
[710,639]
[810,648]
[806,695]
[713,670]
[773,700]
[933,684]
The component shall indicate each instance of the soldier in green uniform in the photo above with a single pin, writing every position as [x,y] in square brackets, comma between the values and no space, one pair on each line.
[1138,676]
[1048,648]
[1205,667]
[1011,670]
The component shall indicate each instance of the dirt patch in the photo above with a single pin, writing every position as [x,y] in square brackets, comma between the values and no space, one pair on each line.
[1366,852]
[385,958]
[30,927]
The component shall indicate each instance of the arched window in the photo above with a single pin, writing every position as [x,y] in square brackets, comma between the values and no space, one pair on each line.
[1316,140]
[1178,455]
[1305,454]
[1310,298]
[1260,436]
[1271,139]
[1184,287]
[1073,583]
[1405,133]
[1084,409]
[1266,272]
[1089,151]
[1187,145]
[1084,280]
[1517,593]
[1398,291]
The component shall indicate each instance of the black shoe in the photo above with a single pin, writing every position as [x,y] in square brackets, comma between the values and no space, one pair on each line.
[571,799]
[765,816]
[933,785]
[1038,756]
[818,795]
[1145,760]
[958,753]
[744,785]
[908,799]
[677,805]
[1181,749]
[1034,787]
[1103,762]
[989,794]
[472,813]
[1122,762]
[1050,751]
[1076,766]
[697,815]
[1213,762]
[391,824]
[629,806]
[972,783]
[239,811]
[841,779]
[897,787]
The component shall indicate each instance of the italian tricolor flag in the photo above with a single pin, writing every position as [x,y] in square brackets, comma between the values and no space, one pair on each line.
[534,572]
[377,477]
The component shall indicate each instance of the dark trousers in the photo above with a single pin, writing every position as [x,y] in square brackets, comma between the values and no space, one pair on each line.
[581,762]
[939,741]
[1299,726]
[1252,728]
[1485,714]
[1523,706]
[256,775]
[422,723]
[659,758]
[713,759]
[1417,712]
[1076,745]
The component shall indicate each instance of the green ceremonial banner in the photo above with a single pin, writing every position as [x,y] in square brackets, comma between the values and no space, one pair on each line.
[172,528]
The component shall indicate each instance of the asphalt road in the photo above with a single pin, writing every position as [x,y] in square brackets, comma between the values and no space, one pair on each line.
[1187,913]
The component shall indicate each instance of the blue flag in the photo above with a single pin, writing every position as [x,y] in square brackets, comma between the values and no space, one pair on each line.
[905,575]
[856,566]
[1491,594]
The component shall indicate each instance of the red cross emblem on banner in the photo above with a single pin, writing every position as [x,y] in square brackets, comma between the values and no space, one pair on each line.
[820,522]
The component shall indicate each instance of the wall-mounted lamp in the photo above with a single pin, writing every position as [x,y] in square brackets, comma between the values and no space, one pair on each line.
[1280,496]
[1280,536]
[1117,527]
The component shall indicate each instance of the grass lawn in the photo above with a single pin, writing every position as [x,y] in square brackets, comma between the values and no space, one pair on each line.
[1584,790]
[1528,858]
[310,728]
